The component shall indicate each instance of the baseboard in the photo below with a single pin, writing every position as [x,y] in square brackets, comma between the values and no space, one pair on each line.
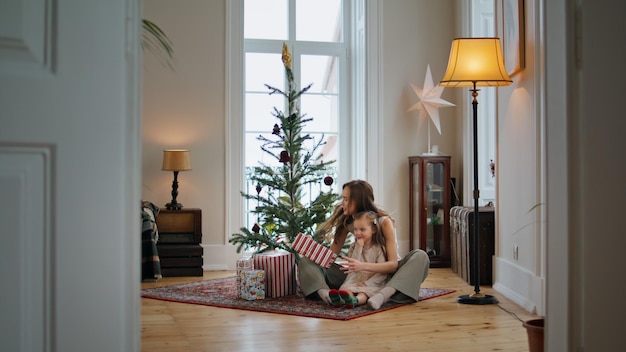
[220,257]
[215,267]
[519,285]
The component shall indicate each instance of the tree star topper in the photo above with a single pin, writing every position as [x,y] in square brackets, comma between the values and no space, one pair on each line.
[286,57]
[430,99]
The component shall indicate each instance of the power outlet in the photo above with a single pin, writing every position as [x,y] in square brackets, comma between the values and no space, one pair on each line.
[516,252]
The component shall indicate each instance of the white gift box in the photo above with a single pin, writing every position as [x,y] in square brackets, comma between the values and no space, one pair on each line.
[252,284]
[243,263]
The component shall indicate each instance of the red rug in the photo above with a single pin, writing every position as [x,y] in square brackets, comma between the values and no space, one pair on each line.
[222,293]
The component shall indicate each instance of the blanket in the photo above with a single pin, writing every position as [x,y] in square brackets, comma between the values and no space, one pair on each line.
[150,262]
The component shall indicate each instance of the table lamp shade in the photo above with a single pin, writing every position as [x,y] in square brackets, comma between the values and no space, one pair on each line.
[475,62]
[176,160]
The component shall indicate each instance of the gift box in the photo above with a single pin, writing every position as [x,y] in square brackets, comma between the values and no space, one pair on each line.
[243,263]
[252,284]
[279,267]
[309,248]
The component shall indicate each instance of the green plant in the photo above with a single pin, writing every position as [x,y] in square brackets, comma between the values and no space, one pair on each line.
[530,223]
[282,211]
[155,40]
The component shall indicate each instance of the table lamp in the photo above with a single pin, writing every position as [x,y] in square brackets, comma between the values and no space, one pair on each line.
[476,62]
[175,160]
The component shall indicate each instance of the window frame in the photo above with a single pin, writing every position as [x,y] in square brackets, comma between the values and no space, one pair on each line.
[235,113]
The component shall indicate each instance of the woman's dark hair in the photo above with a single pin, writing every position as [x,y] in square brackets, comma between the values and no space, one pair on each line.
[362,196]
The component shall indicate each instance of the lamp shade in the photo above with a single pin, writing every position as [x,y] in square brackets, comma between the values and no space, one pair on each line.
[475,62]
[176,160]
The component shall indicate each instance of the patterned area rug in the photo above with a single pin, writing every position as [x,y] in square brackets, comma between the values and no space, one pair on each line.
[222,293]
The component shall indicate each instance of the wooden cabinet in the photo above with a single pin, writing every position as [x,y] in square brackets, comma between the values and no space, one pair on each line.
[180,235]
[429,207]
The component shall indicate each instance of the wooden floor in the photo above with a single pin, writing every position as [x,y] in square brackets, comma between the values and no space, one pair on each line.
[437,324]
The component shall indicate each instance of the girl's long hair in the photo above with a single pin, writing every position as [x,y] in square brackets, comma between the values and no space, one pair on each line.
[378,239]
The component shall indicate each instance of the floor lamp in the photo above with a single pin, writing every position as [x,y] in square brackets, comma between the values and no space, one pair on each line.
[476,62]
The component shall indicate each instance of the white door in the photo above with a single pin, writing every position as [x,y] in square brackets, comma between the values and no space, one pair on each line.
[69,175]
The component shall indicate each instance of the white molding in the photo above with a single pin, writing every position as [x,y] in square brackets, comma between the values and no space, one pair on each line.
[132,161]
[28,249]
[26,37]
[518,284]
[374,110]
[221,257]
[234,153]
[541,172]
[563,254]
[357,125]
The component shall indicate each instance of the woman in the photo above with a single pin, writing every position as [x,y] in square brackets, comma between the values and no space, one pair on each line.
[407,274]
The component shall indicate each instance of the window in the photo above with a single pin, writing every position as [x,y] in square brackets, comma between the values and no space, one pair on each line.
[316,32]
[482,25]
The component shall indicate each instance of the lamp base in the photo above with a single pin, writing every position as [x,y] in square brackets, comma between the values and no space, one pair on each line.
[173,206]
[477,298]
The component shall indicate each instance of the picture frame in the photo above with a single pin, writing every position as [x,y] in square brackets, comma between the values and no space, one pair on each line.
[513,39]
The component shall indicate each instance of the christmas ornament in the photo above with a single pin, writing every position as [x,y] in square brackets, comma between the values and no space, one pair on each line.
[430,102]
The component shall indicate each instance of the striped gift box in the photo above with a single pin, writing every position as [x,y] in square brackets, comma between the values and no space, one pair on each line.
[280,278]
[319,254]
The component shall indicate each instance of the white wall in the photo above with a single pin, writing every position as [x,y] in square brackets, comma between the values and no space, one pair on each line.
[185,108]
[520,157]
[414,34]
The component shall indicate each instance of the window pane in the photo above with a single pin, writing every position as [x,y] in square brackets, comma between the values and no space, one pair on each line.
[319,20]
[254,154]
[329,150]
[323,110]
[265,19]
[264,69]
[321,71]
[259,111]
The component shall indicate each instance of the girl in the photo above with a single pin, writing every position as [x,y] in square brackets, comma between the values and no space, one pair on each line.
[369,247]
[407,274]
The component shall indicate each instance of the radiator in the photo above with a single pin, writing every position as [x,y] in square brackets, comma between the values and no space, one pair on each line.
[461,235]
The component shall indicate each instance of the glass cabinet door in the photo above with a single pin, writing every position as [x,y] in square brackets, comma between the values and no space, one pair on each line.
[414,206]
[435,194]
[429,207]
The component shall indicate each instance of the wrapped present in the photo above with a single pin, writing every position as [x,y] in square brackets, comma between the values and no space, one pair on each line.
[319,254]
[252,284]
[243,263]
[280,278]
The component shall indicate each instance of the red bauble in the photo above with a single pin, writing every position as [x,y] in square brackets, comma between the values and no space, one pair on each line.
[284,157]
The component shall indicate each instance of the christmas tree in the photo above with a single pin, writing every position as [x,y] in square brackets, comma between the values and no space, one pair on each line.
[281,209]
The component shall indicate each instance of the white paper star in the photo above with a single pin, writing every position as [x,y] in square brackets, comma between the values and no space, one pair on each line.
[430,100]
